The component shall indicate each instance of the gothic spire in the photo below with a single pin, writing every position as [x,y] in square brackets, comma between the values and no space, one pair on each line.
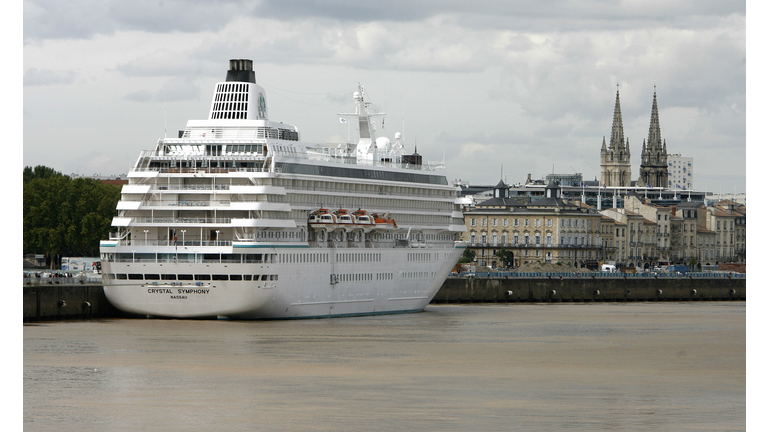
[617,131]
[654,131]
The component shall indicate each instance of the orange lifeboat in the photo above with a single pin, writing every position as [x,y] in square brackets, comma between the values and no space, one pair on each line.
[343,217]
[384,221]
[321,217]
[362,218]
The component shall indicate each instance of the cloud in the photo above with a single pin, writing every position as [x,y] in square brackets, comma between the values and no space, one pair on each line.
[516,82]
[84,19]
[174,90]
[39,77]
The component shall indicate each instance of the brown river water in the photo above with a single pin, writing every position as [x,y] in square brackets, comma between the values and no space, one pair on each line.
[512,367]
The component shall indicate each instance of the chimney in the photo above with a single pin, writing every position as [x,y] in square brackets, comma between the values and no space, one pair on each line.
[241,70]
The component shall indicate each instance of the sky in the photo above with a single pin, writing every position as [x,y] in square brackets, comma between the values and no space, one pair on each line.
[498,89]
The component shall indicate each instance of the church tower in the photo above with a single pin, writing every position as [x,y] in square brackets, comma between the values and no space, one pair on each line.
[653,165]
[615,167]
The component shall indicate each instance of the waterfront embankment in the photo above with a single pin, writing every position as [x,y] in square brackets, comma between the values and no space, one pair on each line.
[591,288]
[62,298]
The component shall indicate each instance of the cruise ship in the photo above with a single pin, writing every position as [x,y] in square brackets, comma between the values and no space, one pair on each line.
[238,218]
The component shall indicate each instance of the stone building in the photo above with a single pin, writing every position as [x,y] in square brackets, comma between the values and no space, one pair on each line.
[634,237]
[728,220]
[661,216]
[548,229]
[615,166]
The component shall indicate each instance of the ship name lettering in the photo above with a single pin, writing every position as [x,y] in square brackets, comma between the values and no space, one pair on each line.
[193,291]
[159,291]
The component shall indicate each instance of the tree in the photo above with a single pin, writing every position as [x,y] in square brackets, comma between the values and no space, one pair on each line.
[467,257]
[692,263]
[66,216]
[506,257]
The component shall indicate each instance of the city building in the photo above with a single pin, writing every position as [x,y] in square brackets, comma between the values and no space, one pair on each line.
[634,237]
[640,227]
[680,171]
[662,217]
[549,229]
[728,221]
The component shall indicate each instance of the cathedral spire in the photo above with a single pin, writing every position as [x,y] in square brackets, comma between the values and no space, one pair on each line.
[653,165]
[617,130]
[654,131]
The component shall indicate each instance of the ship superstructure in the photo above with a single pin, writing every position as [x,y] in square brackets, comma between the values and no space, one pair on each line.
[238,218]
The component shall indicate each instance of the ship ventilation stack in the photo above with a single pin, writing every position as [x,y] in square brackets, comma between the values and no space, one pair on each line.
[241,70]
[239,97]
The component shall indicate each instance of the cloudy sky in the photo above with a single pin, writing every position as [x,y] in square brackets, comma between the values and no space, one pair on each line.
[497,88]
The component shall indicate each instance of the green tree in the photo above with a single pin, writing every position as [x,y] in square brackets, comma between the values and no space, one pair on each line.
[506,257]
[692,263]
[66,216]
[467,257]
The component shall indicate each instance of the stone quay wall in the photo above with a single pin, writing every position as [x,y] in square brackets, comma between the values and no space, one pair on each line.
[588,289]
[87,300]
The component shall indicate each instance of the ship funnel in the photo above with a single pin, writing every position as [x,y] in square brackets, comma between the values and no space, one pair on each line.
[241,70]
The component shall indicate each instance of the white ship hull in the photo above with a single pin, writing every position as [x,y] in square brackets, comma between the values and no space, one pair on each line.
[223,221]
[299,290]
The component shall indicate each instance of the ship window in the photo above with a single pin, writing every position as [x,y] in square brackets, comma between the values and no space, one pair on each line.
[185,277]
[247,277]
[134,276]
[236,277]
[168,277]
[121,276]
[264,277]
[218,277]
[151,277]
[200,277]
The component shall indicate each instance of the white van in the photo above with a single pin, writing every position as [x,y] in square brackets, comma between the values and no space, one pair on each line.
[608,268]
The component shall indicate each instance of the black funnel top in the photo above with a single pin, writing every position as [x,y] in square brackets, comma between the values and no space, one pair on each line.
[241,70]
